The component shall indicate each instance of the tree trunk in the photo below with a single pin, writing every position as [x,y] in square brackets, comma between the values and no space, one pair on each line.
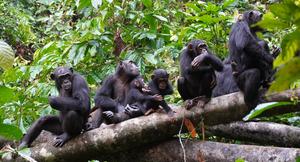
[260,132]
[144,130]
[197,151]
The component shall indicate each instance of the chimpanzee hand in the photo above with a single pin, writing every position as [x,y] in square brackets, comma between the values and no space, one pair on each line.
[108,114]
[158,97]
[61,140]
[276,51]
[268,58]
[133,110]
[198,61]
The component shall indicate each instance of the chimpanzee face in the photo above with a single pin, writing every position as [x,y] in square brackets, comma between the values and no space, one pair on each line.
[162,83]
[63,77]
[129,67]
[161,78]
[197,47]
[253,16]
[139,83]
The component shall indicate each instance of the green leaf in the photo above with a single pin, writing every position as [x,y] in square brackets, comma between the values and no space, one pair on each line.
[96,3]
[161,18]
[7,56]
[10,132]
[150,58]
[290,44]
[239,160]
[193,6]
[227,3]
[270,22]
[263,107]
[147,3]
[281,10]
[286,75]
[6,94]
[83,4]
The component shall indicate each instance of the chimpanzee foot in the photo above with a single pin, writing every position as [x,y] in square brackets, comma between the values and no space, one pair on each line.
[61,140]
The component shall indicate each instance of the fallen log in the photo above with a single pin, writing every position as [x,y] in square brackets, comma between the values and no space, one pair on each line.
[260,132]
[144,130]
[197,151]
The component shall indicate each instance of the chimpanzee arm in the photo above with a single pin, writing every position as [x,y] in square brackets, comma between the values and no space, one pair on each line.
[138,96]
[255,49]
[103,97]
[245,40]
[215,62]
[65,103]
[201,69]
[165,106]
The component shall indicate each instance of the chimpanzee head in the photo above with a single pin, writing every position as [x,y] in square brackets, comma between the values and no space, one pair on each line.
[160,78]
[197,47]
[63,78]
[252,17]
[129,68]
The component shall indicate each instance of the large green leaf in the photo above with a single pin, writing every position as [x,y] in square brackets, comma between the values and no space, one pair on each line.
[10,132]
[263,107]
[147,3]
[290,44]
[270,22]
[286,75]
[6,94]
[6,55]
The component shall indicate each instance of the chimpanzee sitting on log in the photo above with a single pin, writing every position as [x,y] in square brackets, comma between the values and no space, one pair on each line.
[73,104]
[249,58]
[160,85]
[197,65]
[111,97]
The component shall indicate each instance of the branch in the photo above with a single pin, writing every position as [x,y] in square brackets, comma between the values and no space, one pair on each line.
[260,132]
[143,130]
[198,151]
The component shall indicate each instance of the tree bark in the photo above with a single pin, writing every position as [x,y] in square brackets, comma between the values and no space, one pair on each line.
[144,130]
[260,132]
[197,151]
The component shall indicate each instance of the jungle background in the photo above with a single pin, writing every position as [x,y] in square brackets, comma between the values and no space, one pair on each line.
[93,35]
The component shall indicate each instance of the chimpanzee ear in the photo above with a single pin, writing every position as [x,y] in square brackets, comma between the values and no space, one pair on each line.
[71,69]
[251,13]
[190,46]
[52,76]
[152,77]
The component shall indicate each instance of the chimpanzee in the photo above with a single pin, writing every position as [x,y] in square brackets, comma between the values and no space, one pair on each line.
[137,98]
[73,104]
[225,81]
[111,96]
[249,58]
[197,65]
[160,85]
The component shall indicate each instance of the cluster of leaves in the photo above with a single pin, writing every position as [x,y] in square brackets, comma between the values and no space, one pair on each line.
[285,16]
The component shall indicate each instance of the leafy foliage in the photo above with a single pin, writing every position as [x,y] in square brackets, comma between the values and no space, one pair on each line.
[6,55]
[285,15]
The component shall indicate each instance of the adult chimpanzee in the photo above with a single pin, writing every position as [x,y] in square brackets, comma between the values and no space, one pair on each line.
[249,57]
[197,65]
[73,104]
[112,94]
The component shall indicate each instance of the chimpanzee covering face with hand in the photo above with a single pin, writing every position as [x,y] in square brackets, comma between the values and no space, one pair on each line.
[197,68]
[73,104]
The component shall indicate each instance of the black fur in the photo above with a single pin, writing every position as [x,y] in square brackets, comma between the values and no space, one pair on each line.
[197,65]
[249,57]
[111,97]
[73,105]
